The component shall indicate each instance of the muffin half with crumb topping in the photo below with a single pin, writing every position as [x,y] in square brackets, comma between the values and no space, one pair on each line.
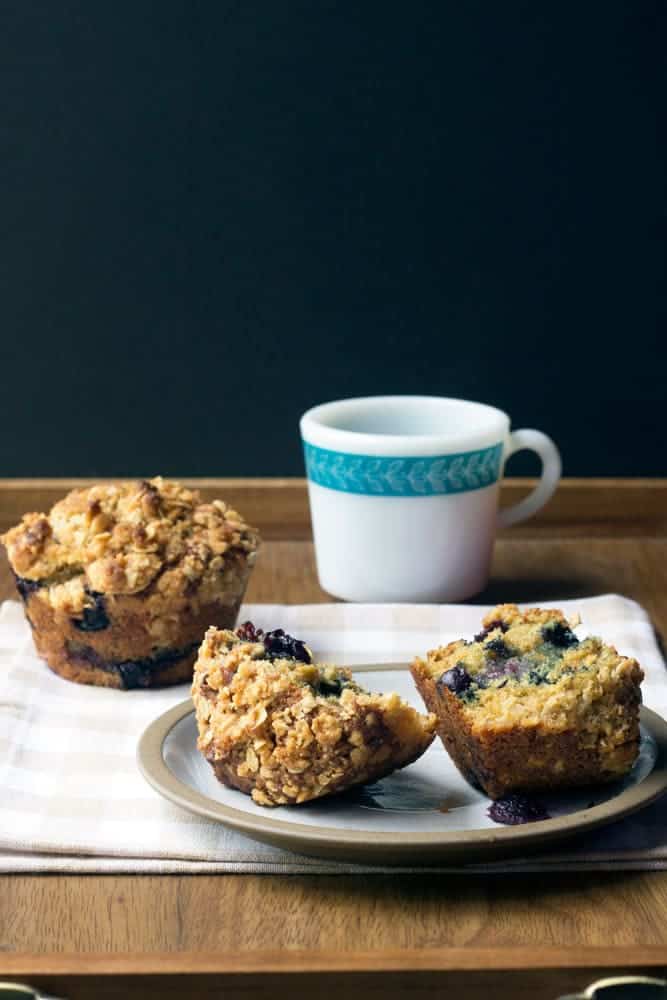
[286,730]
[529,706]
[120,581]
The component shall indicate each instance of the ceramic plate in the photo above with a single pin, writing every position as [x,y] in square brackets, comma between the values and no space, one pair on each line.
[423,814]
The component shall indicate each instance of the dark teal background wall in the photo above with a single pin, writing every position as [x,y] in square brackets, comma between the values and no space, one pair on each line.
[217,214]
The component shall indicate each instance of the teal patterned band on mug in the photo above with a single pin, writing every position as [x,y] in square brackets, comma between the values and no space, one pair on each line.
[403,477]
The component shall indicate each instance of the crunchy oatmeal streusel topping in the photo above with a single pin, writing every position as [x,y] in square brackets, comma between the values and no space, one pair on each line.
[529,667]
[120,538]
[287,731]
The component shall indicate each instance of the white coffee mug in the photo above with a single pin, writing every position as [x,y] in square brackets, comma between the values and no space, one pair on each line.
[404,494]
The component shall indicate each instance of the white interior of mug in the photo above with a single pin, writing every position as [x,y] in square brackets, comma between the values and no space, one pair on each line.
[405,424]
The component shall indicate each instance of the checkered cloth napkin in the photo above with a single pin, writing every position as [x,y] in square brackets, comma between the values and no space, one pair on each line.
[72,799]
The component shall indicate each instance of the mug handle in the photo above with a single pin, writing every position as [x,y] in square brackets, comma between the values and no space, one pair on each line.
[551,469]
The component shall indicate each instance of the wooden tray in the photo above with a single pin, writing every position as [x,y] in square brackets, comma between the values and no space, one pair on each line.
[387,935]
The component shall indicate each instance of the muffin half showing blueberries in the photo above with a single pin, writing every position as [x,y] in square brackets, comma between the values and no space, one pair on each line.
[120,581]
[286,730]
[529,706]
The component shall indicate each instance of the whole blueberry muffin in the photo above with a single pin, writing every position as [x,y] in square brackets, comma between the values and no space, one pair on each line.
[529,706]
[286,730]
[120,581]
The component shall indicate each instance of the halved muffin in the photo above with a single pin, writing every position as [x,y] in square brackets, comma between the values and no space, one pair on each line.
[120,581]
[529,706]
[286,730]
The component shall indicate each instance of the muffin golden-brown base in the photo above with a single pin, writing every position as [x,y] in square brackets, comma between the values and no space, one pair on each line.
[123,654]
[165,669]
[520,758]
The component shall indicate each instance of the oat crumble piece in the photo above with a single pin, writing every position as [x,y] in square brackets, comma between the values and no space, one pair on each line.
[287,730]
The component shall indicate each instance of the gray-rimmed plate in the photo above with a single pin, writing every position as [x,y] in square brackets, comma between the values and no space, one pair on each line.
[423,814]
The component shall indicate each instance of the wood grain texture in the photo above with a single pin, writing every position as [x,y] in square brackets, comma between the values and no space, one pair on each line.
[452,972]
[279,507]
[274,961]
[342,926]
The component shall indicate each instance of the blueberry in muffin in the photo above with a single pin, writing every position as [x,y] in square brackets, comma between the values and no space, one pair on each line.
[120,581]
[286,730]
[529,706]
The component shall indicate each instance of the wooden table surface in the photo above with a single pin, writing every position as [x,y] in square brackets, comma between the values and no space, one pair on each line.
[102,935]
